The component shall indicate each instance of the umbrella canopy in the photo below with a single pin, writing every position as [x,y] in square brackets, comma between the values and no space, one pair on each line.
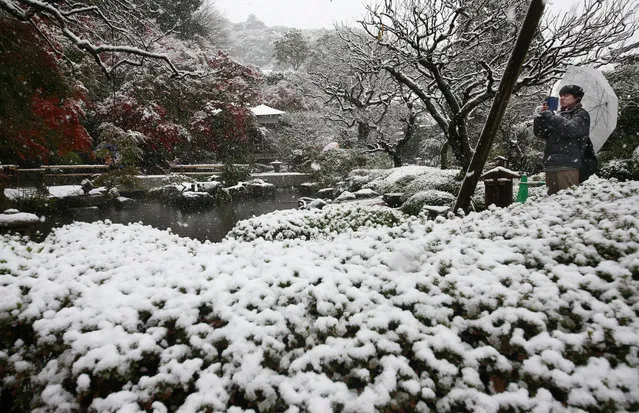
[599,100]
[330,146]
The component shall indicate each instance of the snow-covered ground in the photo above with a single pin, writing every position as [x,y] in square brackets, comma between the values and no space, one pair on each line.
[529,308]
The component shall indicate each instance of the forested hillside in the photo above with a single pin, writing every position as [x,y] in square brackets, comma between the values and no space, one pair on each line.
[252,42]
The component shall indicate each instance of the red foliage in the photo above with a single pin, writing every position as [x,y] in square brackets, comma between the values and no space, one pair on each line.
[151,120]
[234,82]
[212,109]
[221,127]
[41,115]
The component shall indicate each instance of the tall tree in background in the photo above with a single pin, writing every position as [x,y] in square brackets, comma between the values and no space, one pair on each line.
[452,54]
[292,49]
[41,109]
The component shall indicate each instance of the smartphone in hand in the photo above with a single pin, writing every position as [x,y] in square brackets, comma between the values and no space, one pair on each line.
[552,102]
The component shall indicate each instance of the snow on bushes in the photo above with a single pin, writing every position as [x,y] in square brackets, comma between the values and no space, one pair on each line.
[421,185]
[416,202]
[531,308]
[315,223]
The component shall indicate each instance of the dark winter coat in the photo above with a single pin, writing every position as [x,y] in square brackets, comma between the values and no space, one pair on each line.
[567,136]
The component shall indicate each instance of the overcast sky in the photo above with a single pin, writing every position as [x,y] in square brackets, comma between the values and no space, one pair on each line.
[307,14]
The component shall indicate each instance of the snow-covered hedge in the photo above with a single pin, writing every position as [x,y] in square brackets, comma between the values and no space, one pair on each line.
[315,223]
[421,185]
[416,202]
[533,308]
[620,169]
[409,179]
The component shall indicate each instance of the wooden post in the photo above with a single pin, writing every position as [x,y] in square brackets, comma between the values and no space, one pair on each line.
[508,81]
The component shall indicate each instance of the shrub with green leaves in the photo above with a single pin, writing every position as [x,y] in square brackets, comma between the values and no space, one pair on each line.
[622,169]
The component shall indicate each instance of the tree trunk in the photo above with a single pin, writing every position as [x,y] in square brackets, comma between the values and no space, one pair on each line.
[397,160]
[508,81]
[363,132]
[443,156]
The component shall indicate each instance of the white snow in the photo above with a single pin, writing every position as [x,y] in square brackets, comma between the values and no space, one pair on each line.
[13,218]
[264,110]
[532,308]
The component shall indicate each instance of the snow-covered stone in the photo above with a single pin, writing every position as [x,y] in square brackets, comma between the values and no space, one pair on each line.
[366,193]
[124,202]
[12,218]
[345,196]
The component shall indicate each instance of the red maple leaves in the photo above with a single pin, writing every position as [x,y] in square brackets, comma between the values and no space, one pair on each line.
[42,110]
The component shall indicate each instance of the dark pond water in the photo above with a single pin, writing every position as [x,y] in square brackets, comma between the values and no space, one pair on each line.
[211,224]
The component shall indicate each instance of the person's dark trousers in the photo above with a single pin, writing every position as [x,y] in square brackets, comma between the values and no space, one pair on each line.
[558,180]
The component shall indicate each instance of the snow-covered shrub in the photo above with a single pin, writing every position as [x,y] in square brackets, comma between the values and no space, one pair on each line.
[334,165]
[176,178]
[346,196]
[325,223]
[411,179]
[528,308]
[32,200]
[357,179]
[416,202]
[622,169]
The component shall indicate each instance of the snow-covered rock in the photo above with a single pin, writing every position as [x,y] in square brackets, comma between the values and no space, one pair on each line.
[366,193]
[12,218]
[184,195]
[345,196]
[124,202]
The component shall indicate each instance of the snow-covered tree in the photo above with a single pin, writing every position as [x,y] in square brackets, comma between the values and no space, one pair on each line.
[113,32]
[618,157]
[293,48]
[252,42]
[362,93]
[625,81]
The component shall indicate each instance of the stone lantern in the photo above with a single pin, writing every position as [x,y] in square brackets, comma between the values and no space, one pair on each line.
[277,166]
[499,183]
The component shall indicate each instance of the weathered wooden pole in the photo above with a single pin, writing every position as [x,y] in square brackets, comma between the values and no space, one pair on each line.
[508,81]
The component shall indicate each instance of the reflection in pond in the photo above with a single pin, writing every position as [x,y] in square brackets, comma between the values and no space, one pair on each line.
[212,224]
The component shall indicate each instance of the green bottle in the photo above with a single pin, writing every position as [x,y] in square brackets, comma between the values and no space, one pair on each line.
[522,194]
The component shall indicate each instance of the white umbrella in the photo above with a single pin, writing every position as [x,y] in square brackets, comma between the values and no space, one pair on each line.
[331,145]
[599,100]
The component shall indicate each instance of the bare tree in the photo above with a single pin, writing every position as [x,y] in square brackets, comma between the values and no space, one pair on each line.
[408,119]
[113,32]
[362,93]
[452,53]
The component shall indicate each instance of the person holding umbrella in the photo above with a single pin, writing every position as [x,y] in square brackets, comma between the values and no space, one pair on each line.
[567,138]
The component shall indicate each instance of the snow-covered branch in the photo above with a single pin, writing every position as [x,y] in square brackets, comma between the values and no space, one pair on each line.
[112,33]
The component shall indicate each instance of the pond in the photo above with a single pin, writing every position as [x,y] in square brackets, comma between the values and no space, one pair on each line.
[211,224]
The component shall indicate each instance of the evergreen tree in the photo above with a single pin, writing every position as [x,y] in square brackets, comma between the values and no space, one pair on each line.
[292,49]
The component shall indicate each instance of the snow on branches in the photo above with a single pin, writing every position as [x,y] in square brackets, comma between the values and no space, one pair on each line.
[114,33]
